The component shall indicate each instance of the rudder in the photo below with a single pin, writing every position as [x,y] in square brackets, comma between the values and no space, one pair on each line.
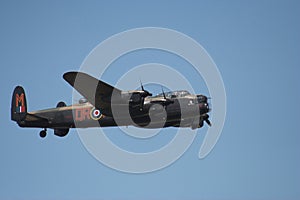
[18,104]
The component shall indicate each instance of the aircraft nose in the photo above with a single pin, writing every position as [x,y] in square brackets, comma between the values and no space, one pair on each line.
[204,108]
[203,104]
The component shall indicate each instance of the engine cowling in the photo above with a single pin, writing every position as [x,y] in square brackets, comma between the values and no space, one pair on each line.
[135,98]
[61,132]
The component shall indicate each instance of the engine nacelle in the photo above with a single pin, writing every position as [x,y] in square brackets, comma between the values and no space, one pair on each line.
[61,132]
[135,98]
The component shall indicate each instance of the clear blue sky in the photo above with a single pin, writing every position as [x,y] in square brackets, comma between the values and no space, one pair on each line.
[255,45]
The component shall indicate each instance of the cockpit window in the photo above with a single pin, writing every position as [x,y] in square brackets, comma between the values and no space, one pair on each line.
[201,98]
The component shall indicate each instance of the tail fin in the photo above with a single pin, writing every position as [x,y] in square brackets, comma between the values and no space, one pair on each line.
[18,104]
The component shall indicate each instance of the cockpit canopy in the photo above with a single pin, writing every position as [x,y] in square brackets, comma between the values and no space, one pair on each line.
[174,94]
[201,99]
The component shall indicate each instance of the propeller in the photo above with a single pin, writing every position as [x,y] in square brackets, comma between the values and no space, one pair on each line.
[162,89]
[167,101]
[145,92]
[208,122]
[204,108]
[143,95]
[206,116]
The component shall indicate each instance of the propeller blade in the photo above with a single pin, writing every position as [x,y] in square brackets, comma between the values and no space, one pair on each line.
[167,100]
[142,87]
[208,122]
[162,89]
[146,93]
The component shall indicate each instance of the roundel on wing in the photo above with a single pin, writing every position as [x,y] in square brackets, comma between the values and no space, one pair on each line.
[95,114]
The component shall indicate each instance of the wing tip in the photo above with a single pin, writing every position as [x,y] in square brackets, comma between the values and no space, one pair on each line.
[70,77]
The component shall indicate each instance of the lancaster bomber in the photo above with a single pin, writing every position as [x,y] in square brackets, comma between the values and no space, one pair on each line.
[105,106]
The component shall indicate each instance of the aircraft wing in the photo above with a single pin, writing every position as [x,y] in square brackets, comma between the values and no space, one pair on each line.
[98,93]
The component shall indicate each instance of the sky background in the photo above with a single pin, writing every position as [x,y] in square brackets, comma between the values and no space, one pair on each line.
[256,47]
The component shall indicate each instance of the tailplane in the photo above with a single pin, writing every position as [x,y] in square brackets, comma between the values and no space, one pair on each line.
[18,104]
